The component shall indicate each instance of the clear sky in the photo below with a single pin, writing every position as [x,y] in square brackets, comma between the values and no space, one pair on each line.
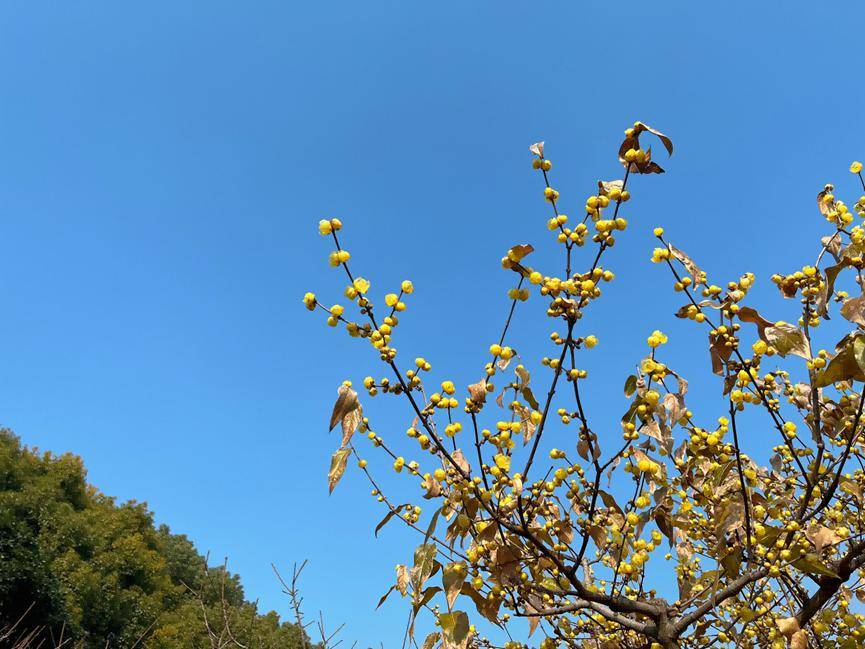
[164,165]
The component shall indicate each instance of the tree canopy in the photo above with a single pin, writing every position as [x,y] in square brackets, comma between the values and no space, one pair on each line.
[74,564]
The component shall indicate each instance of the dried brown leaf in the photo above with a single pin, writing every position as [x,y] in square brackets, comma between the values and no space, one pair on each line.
[337,467]
[346,402]
[853,310]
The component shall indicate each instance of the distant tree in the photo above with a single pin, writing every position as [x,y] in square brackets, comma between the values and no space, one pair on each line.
[767,551]
[74,563]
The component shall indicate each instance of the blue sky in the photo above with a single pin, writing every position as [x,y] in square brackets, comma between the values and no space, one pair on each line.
[164,166]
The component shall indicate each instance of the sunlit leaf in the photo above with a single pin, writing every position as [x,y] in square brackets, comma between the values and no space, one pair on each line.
[453,576]
[346,402]
[337,467]
[455,629]
[788,339]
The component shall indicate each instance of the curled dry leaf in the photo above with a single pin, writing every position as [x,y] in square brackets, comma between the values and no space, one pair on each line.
[821,537]
[433,487]
[632,141]
[527,426]
[832,243]
[515,256]
[824,206]
[460,461]
[689,264]
[538,149]
[787,626]
[666,141]
[719,353]
[384,521]
[346,402]
[478,392]
[747,314]
[605,187]
[829,287]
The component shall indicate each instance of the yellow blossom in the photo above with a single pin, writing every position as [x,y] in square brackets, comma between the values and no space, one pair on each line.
[361,285]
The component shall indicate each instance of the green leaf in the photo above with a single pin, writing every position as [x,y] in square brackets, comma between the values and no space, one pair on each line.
[630,385]
[811,564]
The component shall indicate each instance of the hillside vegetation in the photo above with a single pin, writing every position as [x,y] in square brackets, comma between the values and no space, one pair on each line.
[77,566]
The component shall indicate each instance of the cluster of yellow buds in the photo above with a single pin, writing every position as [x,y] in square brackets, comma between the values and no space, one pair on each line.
[808,280]
[656,339]
[726,334]
[452,429]
[338,257]
[660,254]
[692,313]
[557,222]
[835,211]
[636,155]
[596,203]
[819,361]
[643,465]
[745,377]
[327,227]
[761,347]
[443,402]
[505,430]
[655,370]
[859,206]
[736,292]
[384,384]
[542,163]
[412,514]
[576,236]
[521,294]
[606,227]
[505,353]
[741,397]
